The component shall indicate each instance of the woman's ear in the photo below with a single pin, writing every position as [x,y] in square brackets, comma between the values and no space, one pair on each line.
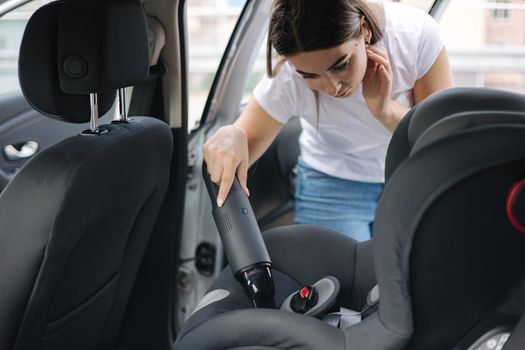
[367,33]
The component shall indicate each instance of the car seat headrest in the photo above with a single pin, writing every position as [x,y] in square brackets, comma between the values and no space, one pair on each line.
[444,104]
[460,122]
[451,101]
[73,48]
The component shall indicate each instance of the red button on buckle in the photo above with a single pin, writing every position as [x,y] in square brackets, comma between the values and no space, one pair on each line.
[304,293]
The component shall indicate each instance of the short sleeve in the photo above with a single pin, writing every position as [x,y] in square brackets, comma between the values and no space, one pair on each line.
[430,45]
[277,95]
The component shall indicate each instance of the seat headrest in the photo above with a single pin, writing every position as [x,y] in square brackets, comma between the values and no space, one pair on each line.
[449,104]
[73,48]
[460,122]
[452,101]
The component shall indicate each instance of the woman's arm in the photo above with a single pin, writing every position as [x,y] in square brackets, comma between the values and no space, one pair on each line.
[438,77]
[260,128]
[233,148]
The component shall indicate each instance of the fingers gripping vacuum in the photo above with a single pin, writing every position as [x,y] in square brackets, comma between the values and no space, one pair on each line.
[243,243]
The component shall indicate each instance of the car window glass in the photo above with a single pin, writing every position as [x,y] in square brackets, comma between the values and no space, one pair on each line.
[209,26]
[12,26]
[259,69]
[487,50]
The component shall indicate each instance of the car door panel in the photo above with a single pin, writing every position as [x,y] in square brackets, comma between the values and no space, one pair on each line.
[24,132]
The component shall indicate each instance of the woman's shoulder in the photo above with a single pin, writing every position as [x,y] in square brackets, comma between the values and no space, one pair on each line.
[408,27]
[284,94]
[412,37]
[284,75]
[284,86]
[403,18]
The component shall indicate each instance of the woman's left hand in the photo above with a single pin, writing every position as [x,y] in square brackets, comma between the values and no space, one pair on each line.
[377,83]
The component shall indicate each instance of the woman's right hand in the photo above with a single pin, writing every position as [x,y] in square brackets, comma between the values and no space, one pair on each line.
[226,155]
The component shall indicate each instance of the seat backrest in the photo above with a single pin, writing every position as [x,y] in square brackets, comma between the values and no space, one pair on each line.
[447,256]
[77,218]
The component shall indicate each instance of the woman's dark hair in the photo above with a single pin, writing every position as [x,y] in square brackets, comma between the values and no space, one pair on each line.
[298,26]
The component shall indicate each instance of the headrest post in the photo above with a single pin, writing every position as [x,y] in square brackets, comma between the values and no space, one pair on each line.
[122,105]
[93,99]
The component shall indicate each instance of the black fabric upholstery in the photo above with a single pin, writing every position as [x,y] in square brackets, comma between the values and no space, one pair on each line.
[460,122]
[470,261]
[38,73]
[437,169]
[301,255]
[309,253]
[442,104]
[75,222]
[237,299]
[109,36]
[263,329]
[77,218]
[517,339]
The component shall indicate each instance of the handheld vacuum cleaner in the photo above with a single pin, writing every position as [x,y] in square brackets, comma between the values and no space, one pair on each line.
[243,243]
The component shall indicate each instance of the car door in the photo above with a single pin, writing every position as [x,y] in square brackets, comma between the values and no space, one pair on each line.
[23,130]
[211,107]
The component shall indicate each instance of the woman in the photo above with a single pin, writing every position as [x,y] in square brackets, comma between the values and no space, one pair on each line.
[351,70]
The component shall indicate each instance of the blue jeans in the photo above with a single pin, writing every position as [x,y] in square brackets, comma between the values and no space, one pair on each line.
[342,205]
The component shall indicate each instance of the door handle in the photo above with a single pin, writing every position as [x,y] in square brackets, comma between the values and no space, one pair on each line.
[23,151]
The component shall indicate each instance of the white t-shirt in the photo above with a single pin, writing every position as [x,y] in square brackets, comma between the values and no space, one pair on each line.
[347,141]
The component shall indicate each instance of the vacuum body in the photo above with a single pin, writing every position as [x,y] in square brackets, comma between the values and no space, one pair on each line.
[242,241]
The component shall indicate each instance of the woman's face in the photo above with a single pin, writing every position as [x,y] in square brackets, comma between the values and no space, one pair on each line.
[336,71]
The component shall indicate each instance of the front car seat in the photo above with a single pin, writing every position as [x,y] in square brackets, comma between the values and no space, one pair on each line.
[77,218]
[448,255]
